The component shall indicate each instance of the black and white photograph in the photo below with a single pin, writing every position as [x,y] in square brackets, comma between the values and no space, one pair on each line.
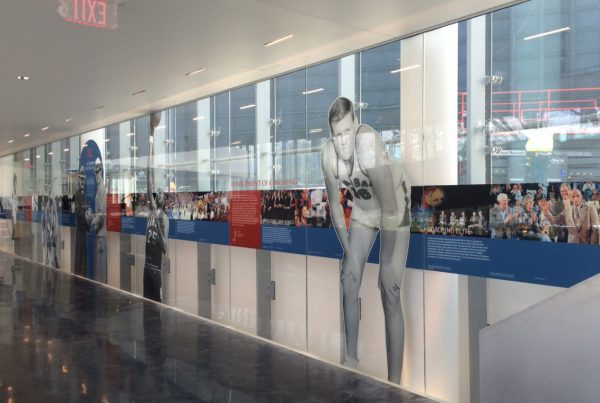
[355,158]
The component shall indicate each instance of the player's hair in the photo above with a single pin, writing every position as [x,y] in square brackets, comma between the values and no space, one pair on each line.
[502,196]
[338,109]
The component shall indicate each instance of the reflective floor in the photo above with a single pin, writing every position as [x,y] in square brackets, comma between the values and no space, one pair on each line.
[66,339]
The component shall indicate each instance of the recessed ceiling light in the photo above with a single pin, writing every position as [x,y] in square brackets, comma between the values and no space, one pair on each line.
[67,120]
[11,141]
[45,128]
[99,107]
[198,118]
[24,78]
[130,134]
[138,92]
[403,69]
[26,159]
[312,91]
[51,153]
[276,41]
[235,143]
[66,150]
[106,140]
[556,31]
[37,156]
[247,106]
[191,73]
[26,135]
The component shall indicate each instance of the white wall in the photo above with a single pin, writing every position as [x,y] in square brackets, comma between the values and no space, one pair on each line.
[324,308]
[243,289]
[288,310]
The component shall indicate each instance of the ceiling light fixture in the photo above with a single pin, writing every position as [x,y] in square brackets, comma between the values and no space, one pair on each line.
[235,143]
[276,41]
[106,140]
[45,128]
[247,106]
[196,118]
[138,92]
[66,150]
[312,91]
[319,130]
[130,134]
[67,120]
[26,159]
[99,107]
[37,156]
[24,78]
[11,141]
[51,153]
[556,31]
[26,135]
[191,73]
[403,69]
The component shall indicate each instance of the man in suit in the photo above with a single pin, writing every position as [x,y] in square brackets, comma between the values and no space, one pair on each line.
[502,218]
[581,220]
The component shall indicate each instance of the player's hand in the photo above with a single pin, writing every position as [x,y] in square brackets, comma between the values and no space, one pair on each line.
[349,267]
[390,284]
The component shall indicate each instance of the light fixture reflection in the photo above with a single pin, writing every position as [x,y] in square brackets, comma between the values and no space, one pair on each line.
[196,118]
[191,73]
[403,69]
[26,135]
[247,106]
[45,128]
[312,91]
[11,141]
[279,40]
[556,31]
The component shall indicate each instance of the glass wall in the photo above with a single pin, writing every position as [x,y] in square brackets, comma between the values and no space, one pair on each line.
[220,206]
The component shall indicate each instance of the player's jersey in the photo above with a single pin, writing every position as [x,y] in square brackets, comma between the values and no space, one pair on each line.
[365,208]
[153,248]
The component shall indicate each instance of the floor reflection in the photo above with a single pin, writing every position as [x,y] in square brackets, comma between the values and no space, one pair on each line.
[63,338]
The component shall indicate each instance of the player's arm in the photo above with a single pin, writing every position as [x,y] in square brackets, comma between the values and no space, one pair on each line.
[98,220]
[376,162]
[328,161]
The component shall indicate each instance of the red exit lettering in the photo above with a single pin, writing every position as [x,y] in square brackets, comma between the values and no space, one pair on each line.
[90,12]
[95,13]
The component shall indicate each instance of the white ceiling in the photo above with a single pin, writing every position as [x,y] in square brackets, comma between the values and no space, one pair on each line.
[74,68]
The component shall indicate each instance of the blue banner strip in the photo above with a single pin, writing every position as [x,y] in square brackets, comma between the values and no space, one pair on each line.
[200,231]
[284,239]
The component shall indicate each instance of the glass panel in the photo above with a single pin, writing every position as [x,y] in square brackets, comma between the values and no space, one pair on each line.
[544,109]
[220,133]
[243,133]
[290,132]
[322,87]
[380,93]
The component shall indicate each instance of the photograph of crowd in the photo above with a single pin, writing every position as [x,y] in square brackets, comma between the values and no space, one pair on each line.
[285,207]
[559,212]
[450,210]
[198,206]
[318,209]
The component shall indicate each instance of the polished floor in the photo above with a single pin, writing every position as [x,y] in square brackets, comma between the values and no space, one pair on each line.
[65,339]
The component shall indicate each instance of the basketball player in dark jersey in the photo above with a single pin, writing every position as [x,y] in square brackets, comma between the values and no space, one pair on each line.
[157,228]
[356,158]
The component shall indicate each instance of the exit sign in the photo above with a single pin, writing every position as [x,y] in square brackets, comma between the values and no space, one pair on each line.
[93,13]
